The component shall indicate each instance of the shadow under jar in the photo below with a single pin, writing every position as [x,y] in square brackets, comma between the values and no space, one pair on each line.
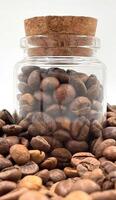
[61,88]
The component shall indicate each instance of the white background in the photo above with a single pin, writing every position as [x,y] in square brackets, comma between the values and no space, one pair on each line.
[12,14]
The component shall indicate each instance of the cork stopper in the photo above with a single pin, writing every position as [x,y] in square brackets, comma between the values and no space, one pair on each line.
[60,35]
[78,25]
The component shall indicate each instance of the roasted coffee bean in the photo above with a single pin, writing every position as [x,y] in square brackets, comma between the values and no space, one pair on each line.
[25,109]
[4,146]
[43,123]
[20,154]
[62,135]
[2,123]
[78,194]
[76,146]
[29,168]
[64,94]
[14,195]
[64,187]
[80,129]
[96,129]
[109,132]
[80,106]
[110,153]
[11,174]
[54,143]
[24,124]
[12,129]
[28,69]
[55,110]
[24,88]
[12,140]
[79,157]
[49,84]
[37,156]
[28,99]
[63,123]
[57,175]
[94,92]
[79,85]
[86,185]
[44,175]
[24,141]
[22,77]
[4,163]
[49,163]
[111,121]
[96,105]
[108,166]
[59,73]
[34,80]
[101,147]
[43,99]
[6,186]
[7,117]
[31,182]
[70,172]
[40,143]
[92,80]
[62,154]
[105,195]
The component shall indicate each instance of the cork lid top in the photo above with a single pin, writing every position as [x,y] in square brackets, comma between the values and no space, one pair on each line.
[79,25]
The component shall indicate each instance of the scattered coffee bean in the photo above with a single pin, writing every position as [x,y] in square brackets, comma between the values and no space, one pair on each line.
[40,143]
[57,175]
[31,182]
[37,156]
[49,163]
[6,186]
[29,168]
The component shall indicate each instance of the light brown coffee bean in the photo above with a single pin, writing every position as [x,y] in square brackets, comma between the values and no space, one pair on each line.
[109,133]
[49,163]
[31,182]
[37,156]
[40,143]
[49,84]
[28,99]
[33,195]
[44,175]
[20,154]
[64,187]
[64,94]
[4,163]
[11,174]
[4,146]
[63,123]
[70,172]
[76,146]
[14,195]
[77,158]
[34,80]
[12,140]
[110,153]
[105,195]
[57,175]
[29,168]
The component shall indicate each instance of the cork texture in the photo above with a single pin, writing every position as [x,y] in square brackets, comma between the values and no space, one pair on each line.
[79,25]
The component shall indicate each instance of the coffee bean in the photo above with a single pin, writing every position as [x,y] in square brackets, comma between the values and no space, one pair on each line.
[49,84]
[7,117]
[44,175]
[31,182]
[62,154]
[20,154]
[55,110]
[92,80]
[43,123]
[12,129]
[49,163]
[80,106]
[110,153]
[22,77]
[54,143]
[60,74]
[57,175]
[111,121]
[24,124]
[81,196]
[37,156]
[86,185]
[64,94]
[4,163]
[6,186]
[40,143]
[11,174]
[80,129]
[63,123]
[78,157]
[43,99]
[33,195]
[79,85]
[109,132]
[24,88]
[64,187]
[12,140]
[34,80]
[28,69]
[4,146]
[70,172]
[62,135]
[24,141]
[76,146]
[29,168]
[28,99]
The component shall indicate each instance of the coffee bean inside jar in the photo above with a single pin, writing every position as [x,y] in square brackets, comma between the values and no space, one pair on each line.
[60,84]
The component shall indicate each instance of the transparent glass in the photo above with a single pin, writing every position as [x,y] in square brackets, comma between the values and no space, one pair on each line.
[61,95]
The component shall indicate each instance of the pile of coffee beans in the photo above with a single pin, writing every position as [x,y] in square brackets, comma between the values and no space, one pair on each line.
[37,166]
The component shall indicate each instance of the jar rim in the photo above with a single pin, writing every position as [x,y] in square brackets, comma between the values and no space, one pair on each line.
[60,41]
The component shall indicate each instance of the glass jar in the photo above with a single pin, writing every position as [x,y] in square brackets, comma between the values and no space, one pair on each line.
[60,86]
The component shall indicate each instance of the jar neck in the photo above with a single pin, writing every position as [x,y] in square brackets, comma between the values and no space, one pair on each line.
[60,45]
